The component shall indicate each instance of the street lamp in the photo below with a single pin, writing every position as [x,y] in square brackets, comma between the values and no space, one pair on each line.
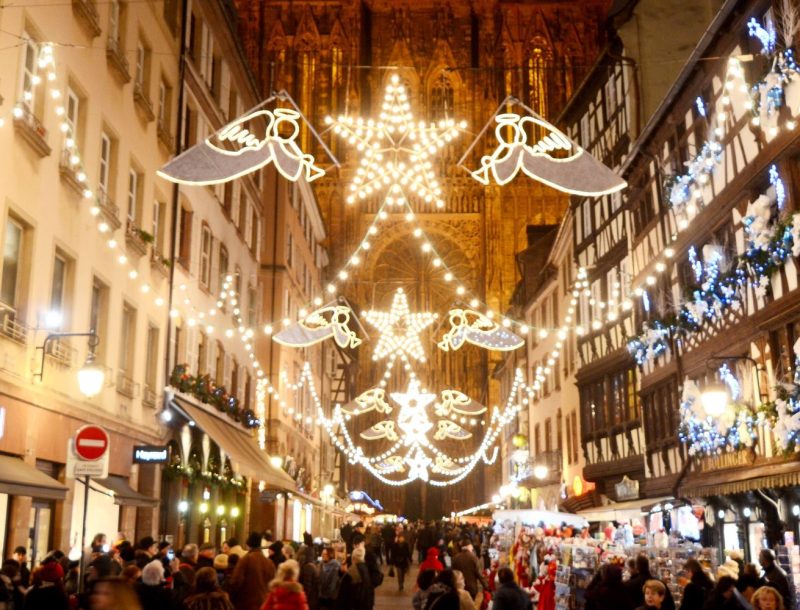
[540,471]
[91,375]
[714,399]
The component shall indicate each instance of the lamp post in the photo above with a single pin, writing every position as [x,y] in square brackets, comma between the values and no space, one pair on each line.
[91,375]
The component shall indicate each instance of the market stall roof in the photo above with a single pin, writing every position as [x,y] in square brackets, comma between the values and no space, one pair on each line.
[124,494]
[619,511]
[535,517]
[18,478]
[237,443]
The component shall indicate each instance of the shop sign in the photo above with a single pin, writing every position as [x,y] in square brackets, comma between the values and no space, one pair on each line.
[627,489]
[150,454]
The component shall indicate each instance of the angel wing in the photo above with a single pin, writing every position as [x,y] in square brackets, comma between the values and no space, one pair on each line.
[468,325]
[446,466]
[450,429]
[391,464]
[383,429]
[367,401]
[575,171]
[329,321]
[454,401]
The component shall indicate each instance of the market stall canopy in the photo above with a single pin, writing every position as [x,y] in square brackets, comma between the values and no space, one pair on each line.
[237,443]
[124,494]
[537,517]
[18,478]
[621,511]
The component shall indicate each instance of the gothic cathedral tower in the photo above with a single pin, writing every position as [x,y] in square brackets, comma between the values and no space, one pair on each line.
[459,59]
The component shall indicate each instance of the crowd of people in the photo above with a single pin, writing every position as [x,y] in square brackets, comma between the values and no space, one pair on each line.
[455,573]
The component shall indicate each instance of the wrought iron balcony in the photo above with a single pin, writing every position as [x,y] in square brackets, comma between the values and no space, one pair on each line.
[107,210]
[13,329]
[142,101]
[125,385]
[28,125]
[165,136]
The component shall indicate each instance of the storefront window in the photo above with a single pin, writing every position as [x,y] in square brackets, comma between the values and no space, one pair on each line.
[731,535]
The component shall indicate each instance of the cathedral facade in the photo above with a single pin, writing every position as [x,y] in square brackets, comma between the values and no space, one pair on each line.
[459,60]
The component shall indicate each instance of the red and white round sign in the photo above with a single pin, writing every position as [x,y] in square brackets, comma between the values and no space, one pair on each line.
[91,443]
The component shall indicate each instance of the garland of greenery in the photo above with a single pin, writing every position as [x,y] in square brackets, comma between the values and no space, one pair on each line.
[192,475]
[204,389]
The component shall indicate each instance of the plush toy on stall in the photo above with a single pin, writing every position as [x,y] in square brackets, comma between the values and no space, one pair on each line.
[545,588]
[521,554]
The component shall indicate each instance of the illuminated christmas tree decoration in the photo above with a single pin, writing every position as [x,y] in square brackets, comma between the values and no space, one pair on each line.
[399,329]
[396,150]
[470,326]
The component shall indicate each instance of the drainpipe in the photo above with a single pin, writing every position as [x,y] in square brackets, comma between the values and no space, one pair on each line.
[175,186]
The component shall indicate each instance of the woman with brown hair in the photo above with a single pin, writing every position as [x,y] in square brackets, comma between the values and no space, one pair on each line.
[206,594]
[113,593]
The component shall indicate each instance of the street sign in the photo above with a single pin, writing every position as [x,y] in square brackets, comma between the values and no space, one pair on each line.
[88,453]
[91,443]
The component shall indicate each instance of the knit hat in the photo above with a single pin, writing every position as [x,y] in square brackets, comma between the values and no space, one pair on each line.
[221,562]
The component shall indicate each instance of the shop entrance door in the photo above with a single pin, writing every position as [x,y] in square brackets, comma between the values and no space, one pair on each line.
[40,527]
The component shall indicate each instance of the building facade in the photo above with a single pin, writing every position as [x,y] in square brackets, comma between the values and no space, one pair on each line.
[85,236]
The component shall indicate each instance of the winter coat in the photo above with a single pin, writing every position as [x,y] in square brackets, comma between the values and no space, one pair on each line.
[154,597]
[309,580]
[511,597]
[355,589]
[46,597]
[442,597]
[431,561]
[696,591]
[286,595]
[401,554]
[329,579]
[467,563]
[776,578]
[214,600]
[465,601]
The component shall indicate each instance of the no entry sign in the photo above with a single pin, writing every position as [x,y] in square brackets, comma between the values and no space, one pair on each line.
[91,443]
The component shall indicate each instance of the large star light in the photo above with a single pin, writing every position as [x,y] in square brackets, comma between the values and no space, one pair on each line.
[397,150]
[399,329]
[413,419]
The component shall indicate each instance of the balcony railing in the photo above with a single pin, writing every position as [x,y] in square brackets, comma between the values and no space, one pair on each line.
[70,171]
[60,352]
[142,101]
[11,328]
[107,210]
[159,264]
[117,60]
[28,125]
[541,469]
[136,238]
[86,12]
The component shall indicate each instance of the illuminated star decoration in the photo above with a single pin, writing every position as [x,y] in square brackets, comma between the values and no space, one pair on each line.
[399,329]
[413,419]
[397,150]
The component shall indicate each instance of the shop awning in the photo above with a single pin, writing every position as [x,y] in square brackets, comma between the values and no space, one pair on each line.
[18,478]
[702,488]
[620,511]
[124,494]
[238,444]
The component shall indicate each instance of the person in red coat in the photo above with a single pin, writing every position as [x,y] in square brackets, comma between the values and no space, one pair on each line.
[432,561]
[285,593]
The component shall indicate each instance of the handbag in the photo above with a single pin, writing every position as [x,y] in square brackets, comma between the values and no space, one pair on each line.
[391,571]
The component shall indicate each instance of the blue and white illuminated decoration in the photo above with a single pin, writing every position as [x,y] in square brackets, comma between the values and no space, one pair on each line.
[719,278]
[765,35]
[734,429]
